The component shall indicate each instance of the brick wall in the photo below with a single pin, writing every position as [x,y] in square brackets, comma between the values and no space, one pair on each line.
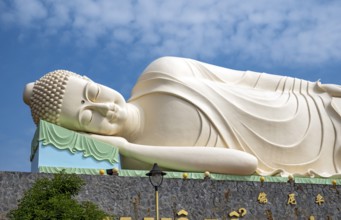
[202,199]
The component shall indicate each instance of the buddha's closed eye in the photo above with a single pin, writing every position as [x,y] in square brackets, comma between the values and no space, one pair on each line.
[92,91]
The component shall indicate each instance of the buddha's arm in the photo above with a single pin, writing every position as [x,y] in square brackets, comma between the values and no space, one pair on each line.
[200,159]
[187,69]
[178,67]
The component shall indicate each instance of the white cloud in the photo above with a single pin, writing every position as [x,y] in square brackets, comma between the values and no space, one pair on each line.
[123,35]
[263,31]
[22,13]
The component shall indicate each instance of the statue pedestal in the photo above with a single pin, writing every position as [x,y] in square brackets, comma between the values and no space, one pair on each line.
[55,149]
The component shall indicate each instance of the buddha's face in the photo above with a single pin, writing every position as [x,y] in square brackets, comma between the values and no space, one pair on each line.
[93,108]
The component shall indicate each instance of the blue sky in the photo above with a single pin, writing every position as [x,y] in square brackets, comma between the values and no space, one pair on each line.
[112,42]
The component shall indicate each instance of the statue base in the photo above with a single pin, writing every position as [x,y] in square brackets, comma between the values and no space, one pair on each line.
[55,148]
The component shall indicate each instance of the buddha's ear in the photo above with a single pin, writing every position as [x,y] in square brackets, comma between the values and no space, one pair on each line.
[336,104]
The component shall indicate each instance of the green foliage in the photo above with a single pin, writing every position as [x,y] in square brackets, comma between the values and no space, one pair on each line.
[53,199]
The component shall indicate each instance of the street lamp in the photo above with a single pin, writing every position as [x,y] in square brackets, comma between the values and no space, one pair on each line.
[156,178]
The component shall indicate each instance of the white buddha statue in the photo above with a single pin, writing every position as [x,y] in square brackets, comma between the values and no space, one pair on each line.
[191,116]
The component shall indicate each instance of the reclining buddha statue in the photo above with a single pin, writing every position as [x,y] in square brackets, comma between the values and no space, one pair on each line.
[187,115]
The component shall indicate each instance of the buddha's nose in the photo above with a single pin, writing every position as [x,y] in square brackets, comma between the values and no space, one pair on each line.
[103,108]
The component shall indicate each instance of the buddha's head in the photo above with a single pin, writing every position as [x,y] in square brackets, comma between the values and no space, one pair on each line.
[73,101]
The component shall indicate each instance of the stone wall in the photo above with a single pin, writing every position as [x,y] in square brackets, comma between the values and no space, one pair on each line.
[202,199]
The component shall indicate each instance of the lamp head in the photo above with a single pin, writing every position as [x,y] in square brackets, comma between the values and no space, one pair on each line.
[156,175]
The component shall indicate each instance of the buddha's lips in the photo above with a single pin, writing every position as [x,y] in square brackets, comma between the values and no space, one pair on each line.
[111,116]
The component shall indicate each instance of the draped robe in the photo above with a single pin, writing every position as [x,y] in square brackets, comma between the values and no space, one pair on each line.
[291,125]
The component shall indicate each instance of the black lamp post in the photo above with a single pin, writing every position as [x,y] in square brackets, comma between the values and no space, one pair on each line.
[156,178]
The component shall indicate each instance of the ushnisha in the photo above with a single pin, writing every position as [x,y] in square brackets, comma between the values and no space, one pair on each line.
[191,116]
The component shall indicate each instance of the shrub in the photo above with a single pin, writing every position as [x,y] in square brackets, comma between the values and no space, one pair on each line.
[54,199]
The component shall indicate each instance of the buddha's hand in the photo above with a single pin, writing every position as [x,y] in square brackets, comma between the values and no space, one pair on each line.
[119,142]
